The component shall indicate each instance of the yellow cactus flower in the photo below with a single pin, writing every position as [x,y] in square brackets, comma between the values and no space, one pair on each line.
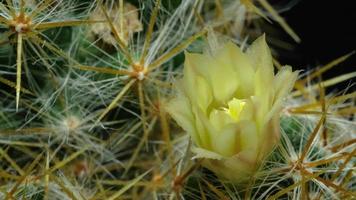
[230,102]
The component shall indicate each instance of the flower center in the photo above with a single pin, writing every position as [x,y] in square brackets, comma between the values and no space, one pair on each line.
[231,114]
[235,106]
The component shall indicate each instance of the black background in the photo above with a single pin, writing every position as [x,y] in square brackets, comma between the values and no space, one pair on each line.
[328,30]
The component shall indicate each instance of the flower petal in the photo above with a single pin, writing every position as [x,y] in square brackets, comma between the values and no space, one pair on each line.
[203,153]
[219,119]
[260,55]
[180,109]
[284,82]
[243,68]
[261,58]
[249,138]
[216,73]
[226,141]
[196,87]
[204,128]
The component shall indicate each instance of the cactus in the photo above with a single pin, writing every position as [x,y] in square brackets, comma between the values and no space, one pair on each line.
[84,89]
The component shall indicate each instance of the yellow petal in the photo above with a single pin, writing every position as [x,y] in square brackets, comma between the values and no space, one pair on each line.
[204,153]
[248,111]
[260,55]
[261,59]
[220,118]
[226,142]
[197,89]
[204,128]
[220,75]
[243,68]
[284,82]
[237,168]
[249,137]
[180,109]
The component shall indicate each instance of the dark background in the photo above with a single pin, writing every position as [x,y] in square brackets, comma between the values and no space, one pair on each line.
[328,30]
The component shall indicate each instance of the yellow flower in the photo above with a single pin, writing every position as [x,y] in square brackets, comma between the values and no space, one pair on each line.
[229,102]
